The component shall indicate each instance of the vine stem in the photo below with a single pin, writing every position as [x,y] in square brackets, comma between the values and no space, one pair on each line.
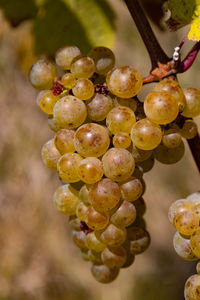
[157,55]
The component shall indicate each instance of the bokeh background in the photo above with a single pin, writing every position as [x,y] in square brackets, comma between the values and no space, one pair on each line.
[38,259]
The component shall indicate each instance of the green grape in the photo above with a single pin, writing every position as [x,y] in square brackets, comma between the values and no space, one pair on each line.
[75,223]
[125,215]
[81,211]
[95,257]
[66,199]
[65,55]
[68,80]
[83,89]
[147,164]
[140,206]
[120,119]
[113,236]
[104,195]
[130,103]
[103,274]
[198,268]
[178,207]
[93,243]
[189,129]
[46,101]
[161,107]
[172,87]
[183,248]
[131,189]
[96,220]
[195,242]
[139,155]
[114,257]
[50,155]
[171,138]
[69,112]
[139,240]
[99,107]
[118,164]
[192,288]
[68,167]
[64,141]
[186,222]
[83,194]
[52,125]
[42,74]
[104,59]
[192,108]
[90,170]
[146,135]
[79,239]
[82,66]
[124,82]
[121,140]
[91,140]
[169,156]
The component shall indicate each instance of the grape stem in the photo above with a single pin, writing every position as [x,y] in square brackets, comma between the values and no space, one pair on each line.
[190,58]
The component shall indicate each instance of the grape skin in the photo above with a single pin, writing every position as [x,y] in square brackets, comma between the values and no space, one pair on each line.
[192,108]
[139,154]
[82,66]
[46,101]
[132,189]
[179,206]
[171,138]
[68,167]
[125,215]
[186,222]
[169,156]
[81,211]
[90,170]
[79,238]
[52,125]
[64,141]
[183,248]
[83,89]
[93,243]
[83,194]
[130,103]
[121,140]
[195,242]
[50,155]
[113,236]
[104,59]
[68,80]
[114,257]
[139,240]
[103,274]
[96,220]
[189,129]
[192,288]
[75,223]
[65,55]
[99,107]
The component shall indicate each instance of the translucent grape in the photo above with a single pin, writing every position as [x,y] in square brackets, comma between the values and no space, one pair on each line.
[68,167]
[146,135]
[189,129]
[79,239]
[96,220]
[124,82]
[169,156]
[195,242]
[130,103]
[50,155]
[183,248]
[83,194]
[103,274]
[52,125]
[42,74]
[104,59]
[132,189]
[120,119]
[82,66]
[125,215]
[69,112]
[81,211]
[161,107]
[114,257]
[192,108]
[90,170]
[65,55]
[68,80]
[140,155]
[192,288]
[93,243]
[66,199]
[83,89]
[91,140]
[139,240]
[113,236]
[118,164]
[104,195]
[99,107]
[64,141]
[75,223]
[179,206]
[122,140]
[186,222]
[171,138]
[46,101]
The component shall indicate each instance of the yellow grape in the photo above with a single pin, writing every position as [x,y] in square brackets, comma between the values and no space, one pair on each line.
[171,138]
[104,274]
[96,220]
[189,129]
[125,215]
[195,242]
[169,155]
[122,140]
[83,194]
[64,141]
[83,89]
[68,80]
[104,59]
[93,243]
[79,238]
[114,257]
[65,55]
[50,155]
[46,100]
[192,288]
[131,189]
[52,125]
[68,167]
[81,211]
[99,107]
[90,170]
[179,206]
[186,222]
[82,66]
[183,248]
[130,103]
[192,108]
[113,236]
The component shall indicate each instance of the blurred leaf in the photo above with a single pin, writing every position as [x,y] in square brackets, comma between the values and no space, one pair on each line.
[194,33]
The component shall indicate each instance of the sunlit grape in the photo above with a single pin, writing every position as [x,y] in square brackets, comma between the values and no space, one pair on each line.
[130,103]
[93,243]
[113,236]
[82,66]
[114,257]
[195,242]
[171,138]
[139,239]
[122,140]
[104,59]
[68,80]
[186,222]
[125,215]
[65,55]
[132,189]
[68,167]
[90,170]
[83,89]
[194,197]
[183,248]
[81,211]
[169,155]
[179,206]
[192,108]
[46,101]
[64,141]
[103,274]
[192,288]
[83,194]
[50,155]
[189,129]
[96,220]
[99,107]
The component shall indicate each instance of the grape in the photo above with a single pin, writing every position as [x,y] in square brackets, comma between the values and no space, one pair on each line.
[114,257]
[124,82]
[140,206]
[90,170]
[99,107]
[172,87]
[42,74]
[52,125]
[140,155]
[79,239]
[120,119]
[118,164]
[81,211]
[194,198]
[91,140]
[183,248]
[113,236]
[198,268]
[95,257]
[195,242]
[125,215]
[93,243]
[189,129]
[192,288]
[178,207]
[68,167]
[132,189]
[129,260]
[84,254]
[122,140]
[169,156]
[103,274]
[192,108]
[75,223]
[50,155]
[46,101]
[104,59]
[83,194]
[138,172]
[147,164]
[161,107]
[83,89]
[130,103]
[64,141]
[69,112]
[186,222]
[104,195]
[68,80]
[96,220]
[146,135]
[66,199]
[65,55]
[171,138]
[139,240]
[82,66]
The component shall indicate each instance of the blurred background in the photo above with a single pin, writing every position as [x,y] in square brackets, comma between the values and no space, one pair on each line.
[38,258]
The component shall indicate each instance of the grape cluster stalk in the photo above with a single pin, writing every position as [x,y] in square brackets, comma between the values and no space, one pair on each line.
[105,140]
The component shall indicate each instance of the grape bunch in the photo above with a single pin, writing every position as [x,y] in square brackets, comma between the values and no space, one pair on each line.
[105,140]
